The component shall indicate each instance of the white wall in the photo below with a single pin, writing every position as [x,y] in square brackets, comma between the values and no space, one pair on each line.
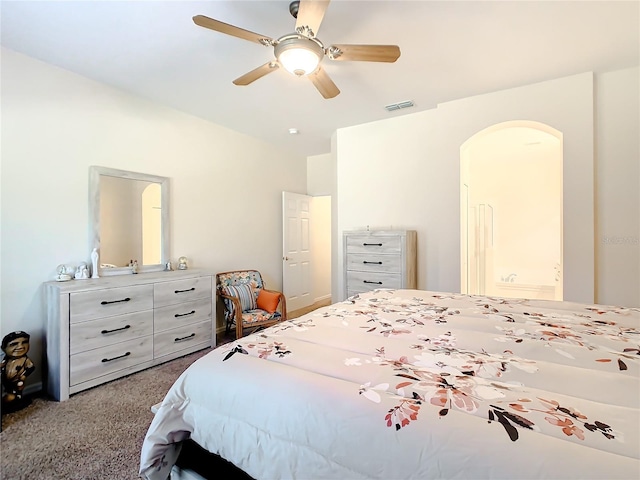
[225,187]
[617,197]
[320,178]
[385,180]
[404,172]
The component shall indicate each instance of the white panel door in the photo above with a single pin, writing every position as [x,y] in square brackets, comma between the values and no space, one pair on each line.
[296,248]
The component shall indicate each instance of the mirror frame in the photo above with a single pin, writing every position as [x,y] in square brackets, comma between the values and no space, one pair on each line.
[95,172]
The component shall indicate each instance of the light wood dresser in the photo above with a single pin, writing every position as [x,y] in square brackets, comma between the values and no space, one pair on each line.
[102,329]
[379,259]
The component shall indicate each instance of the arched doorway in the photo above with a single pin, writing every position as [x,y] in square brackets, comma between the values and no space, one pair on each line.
[511,211]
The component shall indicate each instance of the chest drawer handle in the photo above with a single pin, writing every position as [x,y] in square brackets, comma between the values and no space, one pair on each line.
[372,244]
[180,339]
[184,314]
[184,291]
[376,283]
[104,332]
[105,360]
[372,263]
[105,302]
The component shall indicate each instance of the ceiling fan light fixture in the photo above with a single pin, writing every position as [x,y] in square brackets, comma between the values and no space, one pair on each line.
[299,55]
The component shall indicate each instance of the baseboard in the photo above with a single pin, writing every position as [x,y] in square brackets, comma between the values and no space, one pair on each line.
[33,388]
[322,298]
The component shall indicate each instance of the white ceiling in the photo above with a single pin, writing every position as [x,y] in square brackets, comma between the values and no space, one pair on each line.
[450,50]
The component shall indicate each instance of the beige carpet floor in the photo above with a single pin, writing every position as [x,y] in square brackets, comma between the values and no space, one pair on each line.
[96,434]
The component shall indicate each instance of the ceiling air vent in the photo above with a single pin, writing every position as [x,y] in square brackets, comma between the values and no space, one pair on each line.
[397,106]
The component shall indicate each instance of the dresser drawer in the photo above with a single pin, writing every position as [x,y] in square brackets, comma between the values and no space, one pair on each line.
[178,291]
[364,281]
[109,302]
[182,338]
[364,262]
[373,244]
[107,331]
[166,318]
[92,364]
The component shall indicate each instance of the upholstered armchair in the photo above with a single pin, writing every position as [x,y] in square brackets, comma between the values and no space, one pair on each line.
[247,303]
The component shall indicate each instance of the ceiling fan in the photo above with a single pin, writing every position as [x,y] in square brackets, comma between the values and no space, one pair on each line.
[301,53]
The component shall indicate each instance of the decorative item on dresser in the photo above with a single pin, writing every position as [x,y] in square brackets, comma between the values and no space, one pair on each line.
[99,330]
[379,259]
[63,273]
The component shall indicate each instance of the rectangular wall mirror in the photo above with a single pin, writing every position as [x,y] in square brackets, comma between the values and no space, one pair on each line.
[129,220]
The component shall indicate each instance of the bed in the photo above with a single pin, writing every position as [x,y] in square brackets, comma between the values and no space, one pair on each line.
[400,384]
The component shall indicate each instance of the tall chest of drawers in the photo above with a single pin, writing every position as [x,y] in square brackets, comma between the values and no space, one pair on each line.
[379,259]
[102,329]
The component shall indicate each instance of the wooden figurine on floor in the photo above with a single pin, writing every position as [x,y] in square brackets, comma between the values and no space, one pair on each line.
[14,369]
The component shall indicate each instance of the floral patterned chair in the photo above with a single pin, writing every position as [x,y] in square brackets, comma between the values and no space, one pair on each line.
[247,303]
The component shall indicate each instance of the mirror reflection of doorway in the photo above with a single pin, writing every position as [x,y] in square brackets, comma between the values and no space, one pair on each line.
[511,211]
[151,224]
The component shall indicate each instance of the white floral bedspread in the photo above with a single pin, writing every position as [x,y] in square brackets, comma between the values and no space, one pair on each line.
[399,384]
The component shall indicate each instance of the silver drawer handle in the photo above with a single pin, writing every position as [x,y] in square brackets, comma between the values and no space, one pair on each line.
[105,360]
[184,291]
[105,302]
[104,332]
[373,263]
[180,339]
[376,283]
[371,244]
[184,314]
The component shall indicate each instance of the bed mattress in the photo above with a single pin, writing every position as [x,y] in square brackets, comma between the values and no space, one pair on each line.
[409,384]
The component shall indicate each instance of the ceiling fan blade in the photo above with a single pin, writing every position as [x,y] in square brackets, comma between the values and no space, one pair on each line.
[323,83]
[256,73]
[364,53]
[310,15]
[222,27]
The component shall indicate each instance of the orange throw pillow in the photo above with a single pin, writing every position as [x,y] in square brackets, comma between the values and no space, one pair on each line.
[268,300]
